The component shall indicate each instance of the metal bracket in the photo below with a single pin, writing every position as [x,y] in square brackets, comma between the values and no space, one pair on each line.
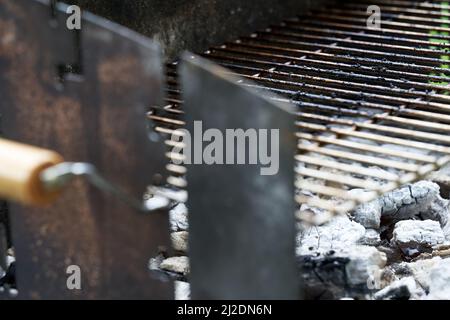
[100,119]
[242,225]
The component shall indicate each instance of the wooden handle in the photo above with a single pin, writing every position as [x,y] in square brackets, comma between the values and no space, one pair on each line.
[20,167]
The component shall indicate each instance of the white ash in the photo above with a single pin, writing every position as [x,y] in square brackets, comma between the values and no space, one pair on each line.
[414,236]
[421,200]
[337,235]
[446,230]
[155,263]
[179,218]
[176,264]
[317,215]
[440,281]
[371,238]
[420,270]
[364,263]
[367,214]
[180,241]
[182,290]
[431,277]
[339,258]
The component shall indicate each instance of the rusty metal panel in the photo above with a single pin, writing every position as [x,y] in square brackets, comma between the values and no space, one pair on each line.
[242,225]
[96,116]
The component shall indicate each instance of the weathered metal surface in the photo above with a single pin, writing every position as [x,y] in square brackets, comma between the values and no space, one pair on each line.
[195,24]
[96,117]
[242,226]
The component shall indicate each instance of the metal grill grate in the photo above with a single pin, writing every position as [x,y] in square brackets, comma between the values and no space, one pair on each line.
[373,105]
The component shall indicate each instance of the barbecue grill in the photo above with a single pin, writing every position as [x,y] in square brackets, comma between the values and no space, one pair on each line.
[362,111]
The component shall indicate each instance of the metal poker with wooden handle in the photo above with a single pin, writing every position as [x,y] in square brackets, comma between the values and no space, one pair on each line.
[20,173]
[36,176]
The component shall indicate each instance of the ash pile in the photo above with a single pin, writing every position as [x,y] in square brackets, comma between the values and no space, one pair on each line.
[395,247]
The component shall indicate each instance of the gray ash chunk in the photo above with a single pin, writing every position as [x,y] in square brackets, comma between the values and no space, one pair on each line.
[421,201]
[336,235]
[415,237]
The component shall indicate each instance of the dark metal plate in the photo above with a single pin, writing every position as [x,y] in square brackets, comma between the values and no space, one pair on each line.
[242,226]
[97,117]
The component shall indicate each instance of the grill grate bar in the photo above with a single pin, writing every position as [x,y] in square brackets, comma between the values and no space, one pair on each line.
[371,160]
[354,169]
[290,54]
[406,4]
[392,94]
[413,43]
[248,58]
[407,133]
[399,17]
[399,25]
[392,9]
[414,51]
[343,25]
[368,148]
[274,44]
[391,84]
